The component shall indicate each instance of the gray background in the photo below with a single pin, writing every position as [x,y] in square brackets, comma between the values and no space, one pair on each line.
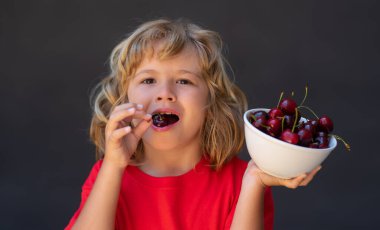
[53,52]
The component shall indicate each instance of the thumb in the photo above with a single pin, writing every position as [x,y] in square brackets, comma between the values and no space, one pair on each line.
[143,126]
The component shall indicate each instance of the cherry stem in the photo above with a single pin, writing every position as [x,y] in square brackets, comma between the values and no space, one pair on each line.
[282,123]
[279,100]
[305,107]
[348,147]
[295,121]
[304,98]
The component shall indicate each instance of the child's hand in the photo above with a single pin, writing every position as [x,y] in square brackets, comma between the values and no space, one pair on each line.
[121,139]
[253,175]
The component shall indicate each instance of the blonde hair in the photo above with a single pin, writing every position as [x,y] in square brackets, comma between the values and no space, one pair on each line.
[222,132]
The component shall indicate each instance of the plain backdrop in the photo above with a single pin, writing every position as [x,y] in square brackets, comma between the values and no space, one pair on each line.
[53,52]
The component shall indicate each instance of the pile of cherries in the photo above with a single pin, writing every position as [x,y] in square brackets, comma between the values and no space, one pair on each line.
[283,122]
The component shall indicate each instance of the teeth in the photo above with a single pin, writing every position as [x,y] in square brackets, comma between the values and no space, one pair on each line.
[167,113]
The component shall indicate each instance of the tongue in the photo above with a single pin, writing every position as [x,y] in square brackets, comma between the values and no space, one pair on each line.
[162,120]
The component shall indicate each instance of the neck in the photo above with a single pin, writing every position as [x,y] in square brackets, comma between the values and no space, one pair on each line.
[170,162]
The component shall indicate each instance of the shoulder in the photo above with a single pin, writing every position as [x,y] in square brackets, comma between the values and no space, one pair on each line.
[236,164]
[234,168]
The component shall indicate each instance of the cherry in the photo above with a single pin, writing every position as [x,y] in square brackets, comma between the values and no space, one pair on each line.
[314,145]
[288,106]
[260,123]
[162,120]
[323,142]
[290,120]
[274,127]
[305,137]
[326,124]
[276,113]
[312,125]
[301,125]
[322,134]
[283,122]
[261,113]
[290,137]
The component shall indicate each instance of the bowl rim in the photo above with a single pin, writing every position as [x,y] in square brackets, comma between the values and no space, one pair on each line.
[283,143]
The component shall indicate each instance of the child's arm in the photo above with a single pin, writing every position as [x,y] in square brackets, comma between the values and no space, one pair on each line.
[99,210]
[249,212]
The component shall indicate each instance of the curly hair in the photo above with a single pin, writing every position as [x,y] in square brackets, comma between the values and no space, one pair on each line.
[222,133]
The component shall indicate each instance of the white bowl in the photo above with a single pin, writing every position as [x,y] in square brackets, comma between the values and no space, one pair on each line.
[279,158]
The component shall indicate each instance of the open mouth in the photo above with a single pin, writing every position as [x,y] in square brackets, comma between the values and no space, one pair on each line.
[164,119]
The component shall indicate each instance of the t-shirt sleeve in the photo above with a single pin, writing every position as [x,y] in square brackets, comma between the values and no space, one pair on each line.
[268,211]
[86,189]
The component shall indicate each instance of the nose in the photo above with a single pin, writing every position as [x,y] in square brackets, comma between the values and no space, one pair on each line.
[166,93]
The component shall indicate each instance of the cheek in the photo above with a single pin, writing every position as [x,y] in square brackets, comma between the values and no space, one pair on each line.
[198,108]
[136,95]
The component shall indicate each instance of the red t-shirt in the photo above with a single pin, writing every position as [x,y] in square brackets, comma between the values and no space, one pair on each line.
[199,199]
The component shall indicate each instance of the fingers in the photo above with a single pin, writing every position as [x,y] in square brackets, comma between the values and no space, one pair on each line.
[127,106]
[116,135]
[310,176]
[140,129]
[293,183]
[124,113]
[302,180]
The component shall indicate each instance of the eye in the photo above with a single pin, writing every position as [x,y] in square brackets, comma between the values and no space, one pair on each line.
[148,81]
[184,82]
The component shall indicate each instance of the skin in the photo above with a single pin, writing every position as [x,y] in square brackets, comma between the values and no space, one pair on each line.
[174,83]
[171,83]
[249,212]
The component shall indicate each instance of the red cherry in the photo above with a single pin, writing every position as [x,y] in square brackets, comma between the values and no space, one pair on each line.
[276,113]
[290,119]
[326,124]
[289,136]
[260,114]
[288,106]
[312,125]
[323,142]
[162,120]
[322,134]
[274,127]
[301,125]
[314,145]
[305,137]
[260,124]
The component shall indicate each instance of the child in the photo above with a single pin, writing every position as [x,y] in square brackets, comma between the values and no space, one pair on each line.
[167,125]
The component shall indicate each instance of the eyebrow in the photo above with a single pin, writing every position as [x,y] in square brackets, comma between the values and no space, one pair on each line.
[145,71]
[181,71]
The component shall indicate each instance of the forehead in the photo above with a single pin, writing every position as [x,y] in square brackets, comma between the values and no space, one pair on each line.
[185,58]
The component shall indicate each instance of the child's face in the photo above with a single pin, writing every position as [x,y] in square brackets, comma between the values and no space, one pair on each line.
[174,85]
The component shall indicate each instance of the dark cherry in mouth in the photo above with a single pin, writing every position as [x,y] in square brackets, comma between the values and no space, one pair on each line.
[163,119]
